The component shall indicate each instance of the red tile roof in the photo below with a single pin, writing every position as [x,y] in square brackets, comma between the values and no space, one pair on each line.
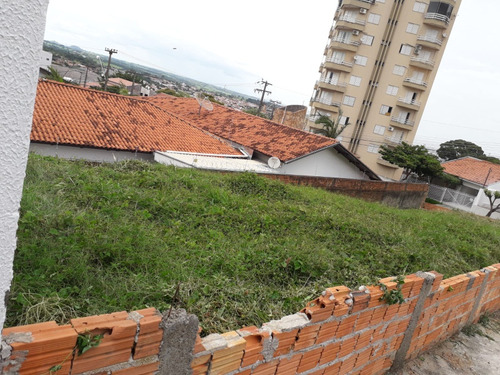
[264,136]
[71,115]
[474,170]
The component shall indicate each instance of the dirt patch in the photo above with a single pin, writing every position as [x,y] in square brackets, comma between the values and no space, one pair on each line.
[434,207]
[475,350]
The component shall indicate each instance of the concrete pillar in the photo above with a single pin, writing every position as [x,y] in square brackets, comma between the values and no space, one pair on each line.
[22,25]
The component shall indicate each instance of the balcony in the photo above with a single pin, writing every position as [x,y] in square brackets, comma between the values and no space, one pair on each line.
[437,20]
[402,123]
[422,63]
[415,83]
[350,23]
[408,103]
[330,106]
[342,44]
[336,64]
[331,85]
[385,163]
[430,42]
[393,141]
[357,3]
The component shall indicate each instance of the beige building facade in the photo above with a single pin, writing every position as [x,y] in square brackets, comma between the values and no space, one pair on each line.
[378,69]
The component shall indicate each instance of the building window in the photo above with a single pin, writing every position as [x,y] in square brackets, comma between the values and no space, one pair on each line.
[412,28]
[373,148]
[349,100]
[440,7]
[385,110]
[379,129]
[355,81]
[374,18]
[399,70]
[367,39]
[419,7]
[405,49]
[360,60]
[392,90]
[380,1]
[344,120]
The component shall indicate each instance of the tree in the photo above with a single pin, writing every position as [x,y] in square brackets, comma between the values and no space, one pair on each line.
[458,149]
[414,159]
[493,196]
[330,129]
[255,112]
[54,75]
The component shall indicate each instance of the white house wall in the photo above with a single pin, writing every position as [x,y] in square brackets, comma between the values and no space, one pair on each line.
[90,154]
[22,24]
[326,163]
[481,205]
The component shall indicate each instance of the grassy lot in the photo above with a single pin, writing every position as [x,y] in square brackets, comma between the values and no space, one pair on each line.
[101,238]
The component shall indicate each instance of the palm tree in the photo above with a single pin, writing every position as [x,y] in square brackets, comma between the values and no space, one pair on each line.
[54,75]
[330,129]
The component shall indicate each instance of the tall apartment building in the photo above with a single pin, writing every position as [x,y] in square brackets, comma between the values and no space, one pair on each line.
[378,69]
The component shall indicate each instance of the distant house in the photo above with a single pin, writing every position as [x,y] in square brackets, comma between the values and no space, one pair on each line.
[285,149]
[76,123]
[475,175]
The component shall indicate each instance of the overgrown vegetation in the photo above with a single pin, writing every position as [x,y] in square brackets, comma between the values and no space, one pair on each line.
[102,238]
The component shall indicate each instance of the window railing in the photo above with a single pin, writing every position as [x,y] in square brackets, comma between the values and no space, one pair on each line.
[403,121]
[430,39]
[339,61]
[326,102]
[333,83]
[416,81]
[344,41]
[352,20]
[396,141]
[422,60]
[409,101]
[437,16]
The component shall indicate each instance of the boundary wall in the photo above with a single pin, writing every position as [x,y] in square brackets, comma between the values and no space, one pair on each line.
[395,194]
[343,331]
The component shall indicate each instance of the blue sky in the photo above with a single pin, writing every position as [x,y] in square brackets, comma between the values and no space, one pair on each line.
[235,44]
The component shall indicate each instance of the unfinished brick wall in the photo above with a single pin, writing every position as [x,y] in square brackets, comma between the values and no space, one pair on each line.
[341,332]
[395,194]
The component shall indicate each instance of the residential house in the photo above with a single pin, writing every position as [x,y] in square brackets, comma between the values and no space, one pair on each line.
[77,123]
[285,149]
[476,175]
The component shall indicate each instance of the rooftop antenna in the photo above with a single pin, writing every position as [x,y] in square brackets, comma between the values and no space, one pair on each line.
[203,102]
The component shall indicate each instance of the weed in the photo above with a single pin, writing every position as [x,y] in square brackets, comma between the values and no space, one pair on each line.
[393,296]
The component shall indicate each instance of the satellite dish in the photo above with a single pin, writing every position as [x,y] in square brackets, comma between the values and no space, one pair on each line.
[203,102]
[274,162]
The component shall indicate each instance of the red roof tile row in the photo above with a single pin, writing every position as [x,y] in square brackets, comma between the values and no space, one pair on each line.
[70,115]
[474,170]
[264,136]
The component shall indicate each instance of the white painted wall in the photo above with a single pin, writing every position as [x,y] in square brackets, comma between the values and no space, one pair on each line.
[326,163]
[22,25]
[481,205]
[46,60]
[85,153]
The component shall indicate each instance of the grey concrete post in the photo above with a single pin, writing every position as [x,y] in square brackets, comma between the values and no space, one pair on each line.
[419,307]
[179,336]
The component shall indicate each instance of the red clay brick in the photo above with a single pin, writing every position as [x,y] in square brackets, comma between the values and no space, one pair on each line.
[310,359]
[327,331]
[289,366]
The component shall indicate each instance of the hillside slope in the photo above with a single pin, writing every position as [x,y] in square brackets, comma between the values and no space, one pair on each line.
[243,250]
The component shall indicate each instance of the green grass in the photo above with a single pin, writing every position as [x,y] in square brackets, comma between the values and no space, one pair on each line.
[102,238]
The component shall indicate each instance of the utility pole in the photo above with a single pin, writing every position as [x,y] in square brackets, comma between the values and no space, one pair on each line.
[86,74]
[263,91]
[110,51]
